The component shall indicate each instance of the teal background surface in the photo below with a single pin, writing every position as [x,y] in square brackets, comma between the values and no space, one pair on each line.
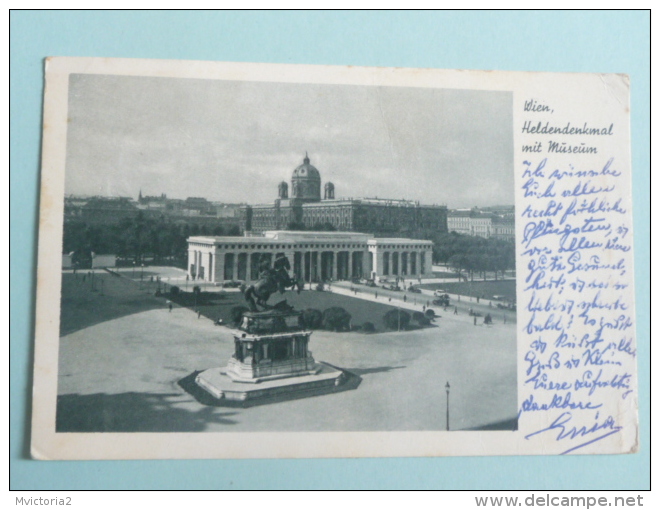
[600,41]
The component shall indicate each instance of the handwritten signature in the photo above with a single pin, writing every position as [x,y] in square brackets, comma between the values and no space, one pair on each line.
[562,426]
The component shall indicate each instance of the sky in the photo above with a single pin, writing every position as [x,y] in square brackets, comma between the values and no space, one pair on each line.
[232,141]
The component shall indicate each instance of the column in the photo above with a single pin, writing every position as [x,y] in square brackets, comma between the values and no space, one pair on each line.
[191,261]
[366,264]
[219,269]
[335,263]
[234,274]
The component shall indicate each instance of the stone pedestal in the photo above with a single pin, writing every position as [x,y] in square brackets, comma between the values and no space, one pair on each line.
[271,359]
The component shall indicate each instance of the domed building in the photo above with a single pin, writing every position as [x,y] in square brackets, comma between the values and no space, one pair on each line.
[304,209]
[368,239]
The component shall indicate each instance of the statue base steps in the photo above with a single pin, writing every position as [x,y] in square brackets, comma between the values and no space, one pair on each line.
[323,379]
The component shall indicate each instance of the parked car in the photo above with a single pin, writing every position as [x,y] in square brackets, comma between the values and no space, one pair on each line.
[414,290]
[442,300]
[439,292]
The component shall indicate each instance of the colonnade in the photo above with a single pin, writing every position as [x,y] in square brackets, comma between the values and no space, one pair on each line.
[401,263]
[334,257]
[308,265]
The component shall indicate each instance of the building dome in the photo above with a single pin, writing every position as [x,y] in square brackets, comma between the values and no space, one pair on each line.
[306,171]
[306,182]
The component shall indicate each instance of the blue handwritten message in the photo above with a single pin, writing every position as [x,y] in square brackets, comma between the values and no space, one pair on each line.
[576,301]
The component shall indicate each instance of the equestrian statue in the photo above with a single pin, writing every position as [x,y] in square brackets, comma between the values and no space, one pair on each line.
[271,280]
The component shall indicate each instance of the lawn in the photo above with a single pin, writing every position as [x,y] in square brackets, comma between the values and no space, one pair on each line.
[88,300]
[115,296]
[218,305]
[483,289]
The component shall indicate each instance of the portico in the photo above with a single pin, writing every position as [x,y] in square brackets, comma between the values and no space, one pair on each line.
[314,256]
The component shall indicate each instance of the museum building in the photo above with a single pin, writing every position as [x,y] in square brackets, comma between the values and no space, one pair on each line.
[314,256]
[307,209]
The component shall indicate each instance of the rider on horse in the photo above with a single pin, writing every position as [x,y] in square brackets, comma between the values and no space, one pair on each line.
[270,280]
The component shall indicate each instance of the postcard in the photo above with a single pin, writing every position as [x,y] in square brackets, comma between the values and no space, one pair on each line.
[284,261]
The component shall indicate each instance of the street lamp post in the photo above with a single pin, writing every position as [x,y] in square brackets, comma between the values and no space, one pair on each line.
[447,390]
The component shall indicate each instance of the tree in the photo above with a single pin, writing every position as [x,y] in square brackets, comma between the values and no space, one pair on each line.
[336,319]
[424,321]
[312,318]
[368,327]
[233,231]
[396,319]
[417,316]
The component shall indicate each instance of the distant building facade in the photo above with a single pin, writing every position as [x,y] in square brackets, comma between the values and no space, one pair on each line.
[314,256]
[304,208]
[476,222]
[101,210]
[98,210]
[504,228]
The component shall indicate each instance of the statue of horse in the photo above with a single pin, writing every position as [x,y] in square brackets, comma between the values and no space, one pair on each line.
[270,280]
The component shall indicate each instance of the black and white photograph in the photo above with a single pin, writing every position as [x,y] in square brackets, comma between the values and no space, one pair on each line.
[263,256]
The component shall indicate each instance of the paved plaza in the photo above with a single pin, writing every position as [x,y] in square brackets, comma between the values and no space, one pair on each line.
[123,373]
